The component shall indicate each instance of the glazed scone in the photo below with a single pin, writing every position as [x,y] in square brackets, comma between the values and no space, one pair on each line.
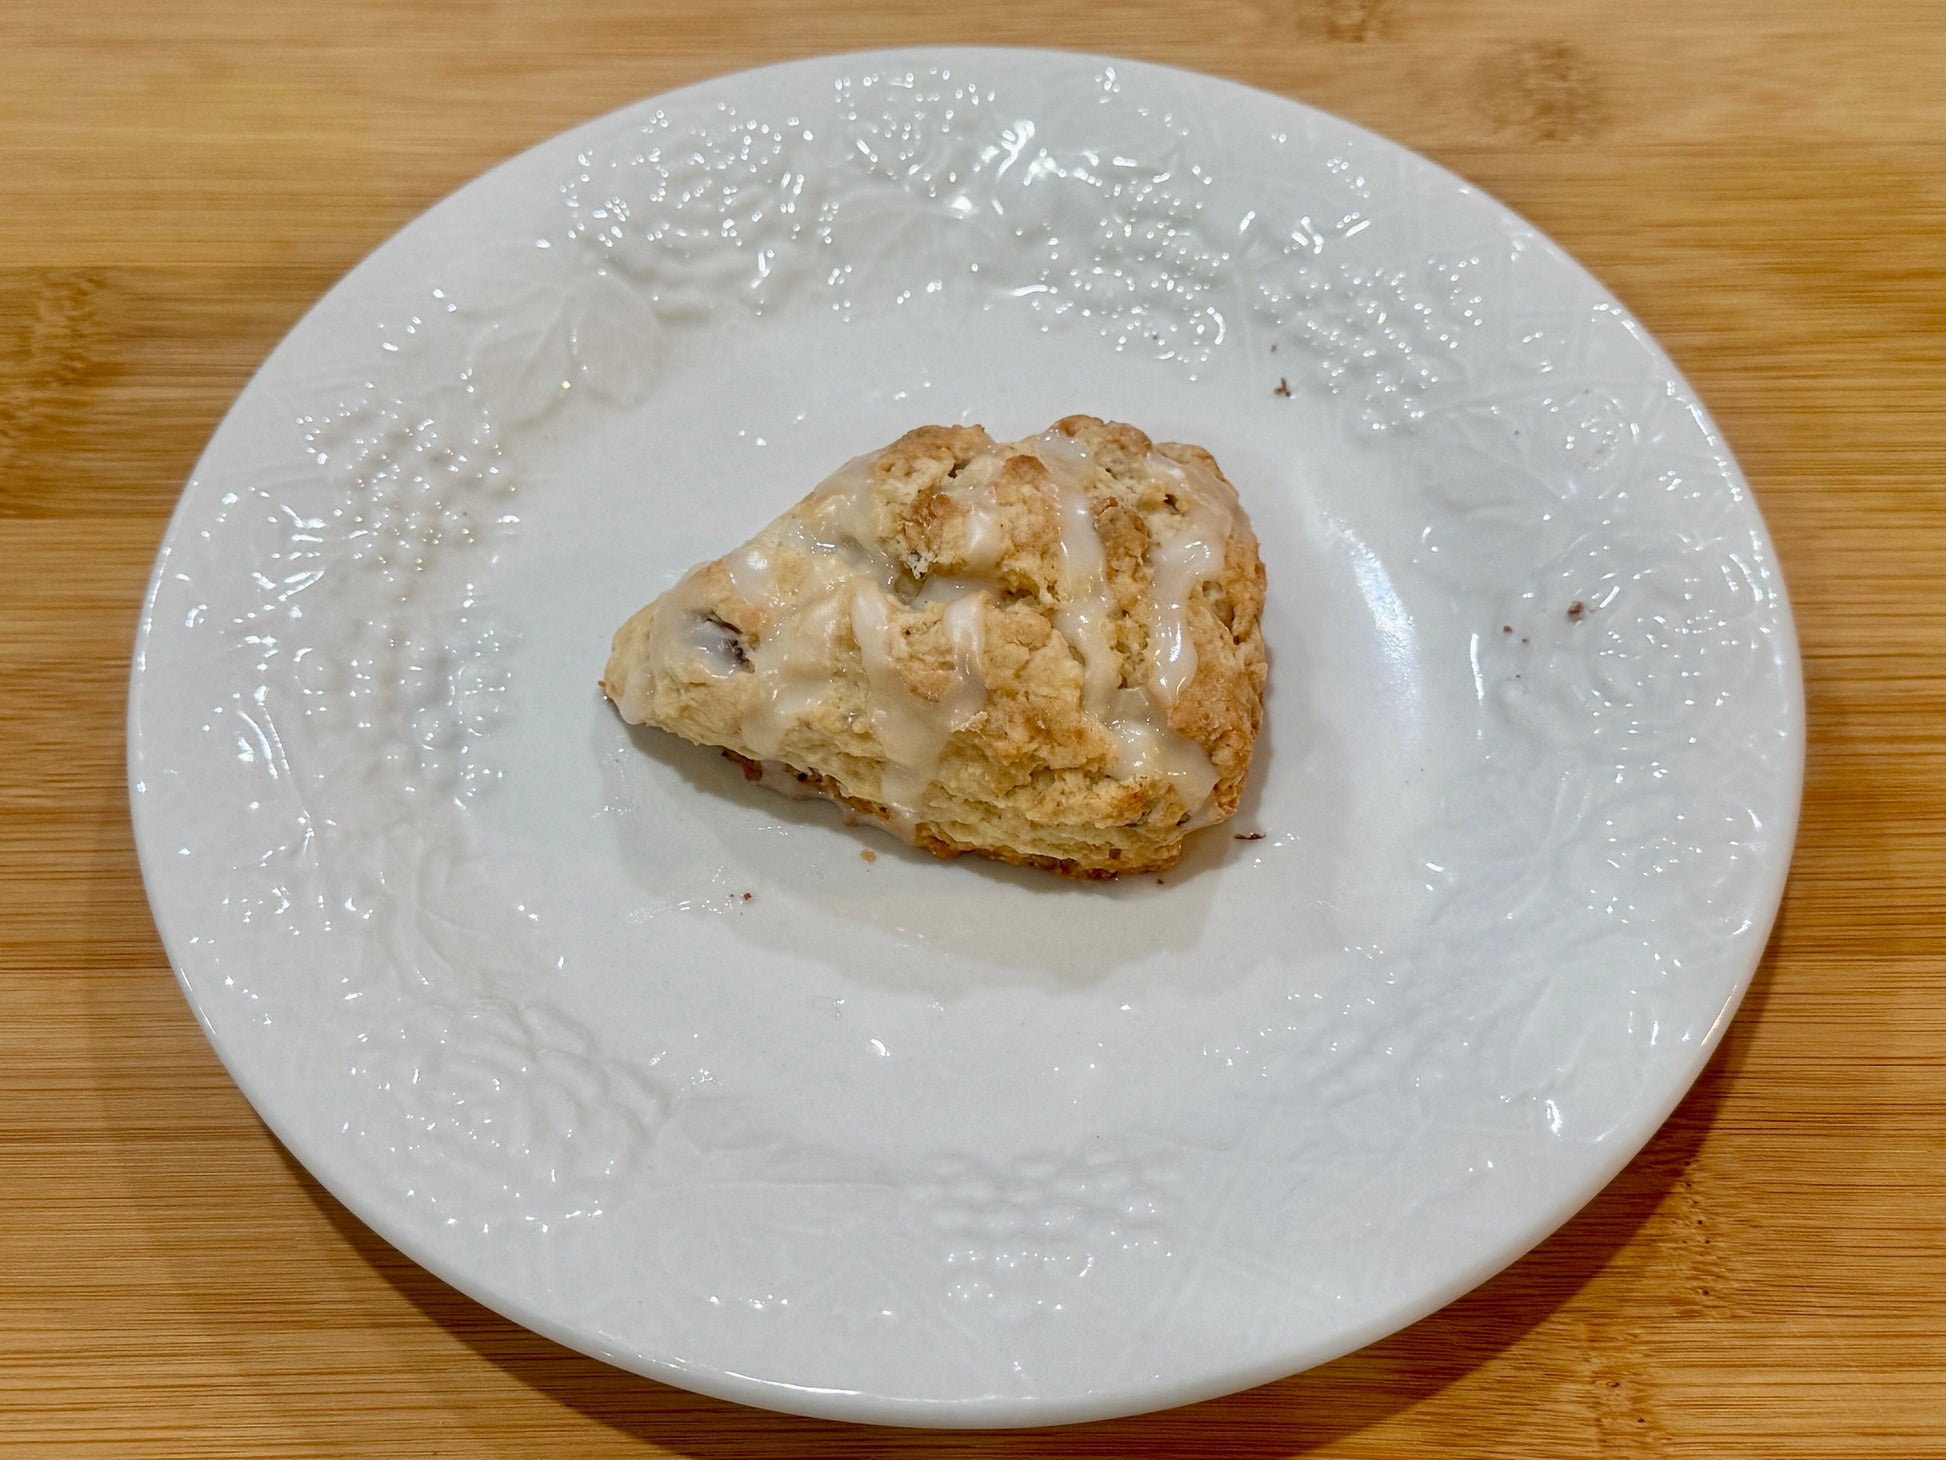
[1046,651]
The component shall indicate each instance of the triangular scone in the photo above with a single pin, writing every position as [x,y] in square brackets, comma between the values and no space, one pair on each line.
[1046,651]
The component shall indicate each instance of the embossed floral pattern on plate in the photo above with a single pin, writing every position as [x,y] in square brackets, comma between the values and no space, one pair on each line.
[664,1068]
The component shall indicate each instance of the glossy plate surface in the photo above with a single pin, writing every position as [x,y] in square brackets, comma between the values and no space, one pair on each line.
[662,1065]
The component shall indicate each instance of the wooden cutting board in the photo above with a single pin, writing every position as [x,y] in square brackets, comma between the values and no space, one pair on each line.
[1762,181]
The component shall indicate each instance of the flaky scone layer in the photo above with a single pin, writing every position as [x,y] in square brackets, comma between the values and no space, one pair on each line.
[1046,651]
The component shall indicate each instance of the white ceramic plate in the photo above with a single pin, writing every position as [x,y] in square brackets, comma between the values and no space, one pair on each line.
[663,1066]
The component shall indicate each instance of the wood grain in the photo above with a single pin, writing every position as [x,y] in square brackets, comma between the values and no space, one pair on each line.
[1763,181]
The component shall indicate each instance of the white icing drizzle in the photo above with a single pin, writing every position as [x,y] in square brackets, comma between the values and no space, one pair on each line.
[985,541]
[793,671]
[1082,618]
[912,732]
[1179,567]
[753,573]
[1145,745]
[965,621]
[792,661]
[687,633]
[948,588]
[840,510]
[848,585]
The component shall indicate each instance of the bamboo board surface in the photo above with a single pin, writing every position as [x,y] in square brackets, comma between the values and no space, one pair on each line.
[1762,181]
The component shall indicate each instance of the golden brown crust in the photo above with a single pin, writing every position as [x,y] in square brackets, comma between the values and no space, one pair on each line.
[1047,651]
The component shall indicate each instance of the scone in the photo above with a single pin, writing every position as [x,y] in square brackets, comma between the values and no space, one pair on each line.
[1046,651]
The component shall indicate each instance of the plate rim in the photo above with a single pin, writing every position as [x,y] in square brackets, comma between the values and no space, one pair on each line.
[1624,1143]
